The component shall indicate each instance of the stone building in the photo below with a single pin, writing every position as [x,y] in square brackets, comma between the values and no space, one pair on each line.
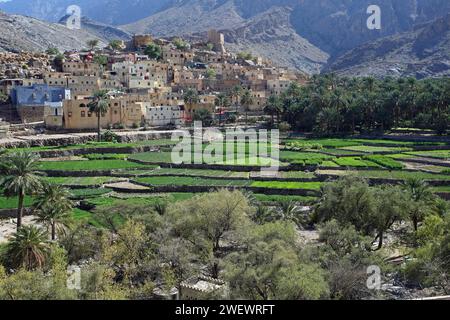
[201,288]
[217,39]
[31,101]
[141,41]
[82,68]
[121,111]
[158,116]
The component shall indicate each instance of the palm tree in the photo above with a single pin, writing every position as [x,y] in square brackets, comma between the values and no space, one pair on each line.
[289,211]
[92,44]
[235,94]
[19,178]
[246,101]
[99,105]
[55,217]
[421,196]
[53,207]
[222,102]
[191,97]
[28,248]
[273,107]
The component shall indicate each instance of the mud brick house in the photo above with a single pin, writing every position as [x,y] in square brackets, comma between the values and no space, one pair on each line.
[31,101]
[121,111]
[162,115]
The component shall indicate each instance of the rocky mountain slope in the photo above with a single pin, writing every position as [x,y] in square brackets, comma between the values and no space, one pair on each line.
[101,30]
[30,34]
[301,34]
[113,12]
[424,52]
[308,31]
[271,35]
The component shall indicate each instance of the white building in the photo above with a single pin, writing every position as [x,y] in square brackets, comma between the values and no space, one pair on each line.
[162,115]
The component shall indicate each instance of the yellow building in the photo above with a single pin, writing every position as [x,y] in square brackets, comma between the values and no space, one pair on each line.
[120,112]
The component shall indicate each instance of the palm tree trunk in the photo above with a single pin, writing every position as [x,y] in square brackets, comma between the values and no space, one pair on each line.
[415,223]
[53,231]
[246,119]
[380,240]
[20,210]
[99,137]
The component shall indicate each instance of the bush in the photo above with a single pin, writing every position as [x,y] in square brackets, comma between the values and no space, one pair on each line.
[284,127]
[109,136]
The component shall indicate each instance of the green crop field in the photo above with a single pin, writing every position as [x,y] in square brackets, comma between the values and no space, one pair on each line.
[438,154]
[287,185]
[401,175]
[385,161]
[12,202]
[197,173]
[279,198]
[355,162]
[103,156]
[375,149]
[81,181]
[89,165]
[296,175]
[303,158]
[191,181]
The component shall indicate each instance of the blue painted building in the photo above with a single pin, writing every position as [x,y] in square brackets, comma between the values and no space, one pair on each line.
[32,101]
[38,95]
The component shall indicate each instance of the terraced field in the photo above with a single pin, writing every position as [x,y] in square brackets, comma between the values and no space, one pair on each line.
[100,192]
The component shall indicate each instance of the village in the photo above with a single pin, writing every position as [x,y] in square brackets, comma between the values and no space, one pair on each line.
[150,83]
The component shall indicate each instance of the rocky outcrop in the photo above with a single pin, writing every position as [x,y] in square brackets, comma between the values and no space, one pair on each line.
[424,52]
[21,33]
[266,33]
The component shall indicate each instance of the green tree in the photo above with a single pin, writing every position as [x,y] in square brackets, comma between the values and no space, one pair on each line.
[55,216]
[101,60]
[269,268]
[273,107]
[92,44]
[222,102]
[28,248]
[99,105]
[421,197]
[52,51]
[208,220]
[246,102]
[19,178]
[115,44]
[153,51]
[203,115]
[180,44]
[210,73]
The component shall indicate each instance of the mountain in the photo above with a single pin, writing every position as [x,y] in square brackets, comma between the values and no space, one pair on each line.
[423,52]
[30,34]
[101,30]
[268,32]
[302,34]
[112,12]
[308,31]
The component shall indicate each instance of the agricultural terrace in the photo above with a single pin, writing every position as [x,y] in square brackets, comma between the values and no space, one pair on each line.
[105,177]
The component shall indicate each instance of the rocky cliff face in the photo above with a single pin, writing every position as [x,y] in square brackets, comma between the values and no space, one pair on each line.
[307,30]
[113,12]
[294,33]
[21,33]
[271,35]
[423,52]
[29,34]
